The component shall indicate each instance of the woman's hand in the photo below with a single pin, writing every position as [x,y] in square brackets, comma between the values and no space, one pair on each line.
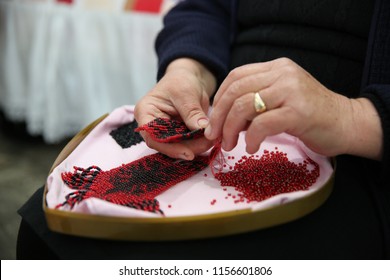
[183,93]
[327,122]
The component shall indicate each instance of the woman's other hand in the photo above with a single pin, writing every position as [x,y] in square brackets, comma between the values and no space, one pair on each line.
[327,122]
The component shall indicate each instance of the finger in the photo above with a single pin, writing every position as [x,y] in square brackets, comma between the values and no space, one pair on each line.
[193,111]
[184,150]
[243,111]
[145,111]
[270,123]
[237,120]
[199,146]
[253,83]
[239,73]
[248,70]
[173,150]
[238,86]
[273,96]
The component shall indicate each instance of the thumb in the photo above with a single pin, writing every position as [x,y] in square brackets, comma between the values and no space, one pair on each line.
[194,116]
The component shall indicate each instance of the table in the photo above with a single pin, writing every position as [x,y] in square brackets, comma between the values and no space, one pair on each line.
[62,67]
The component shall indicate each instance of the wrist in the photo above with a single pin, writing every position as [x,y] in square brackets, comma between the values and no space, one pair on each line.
[197,69]
[364,130]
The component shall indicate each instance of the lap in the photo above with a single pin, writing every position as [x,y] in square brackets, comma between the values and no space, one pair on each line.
[347,226]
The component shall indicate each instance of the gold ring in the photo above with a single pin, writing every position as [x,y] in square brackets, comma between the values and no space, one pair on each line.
[259,104]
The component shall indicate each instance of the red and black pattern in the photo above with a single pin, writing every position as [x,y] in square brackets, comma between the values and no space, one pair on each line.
[125,135]
[138,183]
[169,131]
[135,184]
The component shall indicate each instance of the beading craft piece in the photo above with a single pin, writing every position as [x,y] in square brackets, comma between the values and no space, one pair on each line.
[105,189]
[169,131]
[136,184]
[126,136]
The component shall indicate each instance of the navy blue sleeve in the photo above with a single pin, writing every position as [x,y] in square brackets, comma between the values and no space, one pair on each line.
[379,95]
[376,81]
[197,29]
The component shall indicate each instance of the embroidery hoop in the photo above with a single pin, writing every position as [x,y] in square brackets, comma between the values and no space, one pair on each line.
[175,228]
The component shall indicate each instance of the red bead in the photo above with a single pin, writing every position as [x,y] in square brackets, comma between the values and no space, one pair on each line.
[257,178]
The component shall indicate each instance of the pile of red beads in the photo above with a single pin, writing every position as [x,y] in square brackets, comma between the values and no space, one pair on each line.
[258,178]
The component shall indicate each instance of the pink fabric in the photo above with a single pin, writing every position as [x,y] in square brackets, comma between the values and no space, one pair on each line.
[200,194]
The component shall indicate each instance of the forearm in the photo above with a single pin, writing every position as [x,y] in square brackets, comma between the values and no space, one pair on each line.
[197,29]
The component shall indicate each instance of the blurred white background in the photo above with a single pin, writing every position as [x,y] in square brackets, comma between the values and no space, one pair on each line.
[65,63]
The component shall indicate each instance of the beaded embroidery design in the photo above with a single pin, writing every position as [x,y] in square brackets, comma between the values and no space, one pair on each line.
[169,131]
[137,183]
[125,135]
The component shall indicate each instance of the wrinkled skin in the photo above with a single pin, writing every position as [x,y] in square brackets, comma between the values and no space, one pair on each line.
[327,122]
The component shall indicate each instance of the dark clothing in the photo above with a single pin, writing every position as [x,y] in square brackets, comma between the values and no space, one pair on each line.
[207,31]
[344,52]
[330,46]
[334,40]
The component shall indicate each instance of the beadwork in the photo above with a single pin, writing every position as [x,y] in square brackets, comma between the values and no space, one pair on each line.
[125,135]
[135,184]
[169,131]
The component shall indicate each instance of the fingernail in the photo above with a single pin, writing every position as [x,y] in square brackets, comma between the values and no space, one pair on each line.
[203,122]
[184,156]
